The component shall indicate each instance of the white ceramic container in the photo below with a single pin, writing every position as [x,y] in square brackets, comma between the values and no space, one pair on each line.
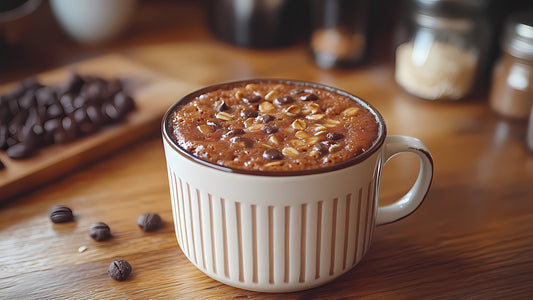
[285,232]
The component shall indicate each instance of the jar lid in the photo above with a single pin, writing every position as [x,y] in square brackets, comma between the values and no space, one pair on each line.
[518,39]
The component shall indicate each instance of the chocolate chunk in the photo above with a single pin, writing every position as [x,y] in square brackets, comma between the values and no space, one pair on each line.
[119,270]
[334,136]
[251,99]
[237,131]
[20,151]
[267,118]
[249,113]
[246,142]
[269,129]
[60,214]
[99,231]
[149,221]
[283,100]
[321,148]
[222,106]
[272,154]
[309,97]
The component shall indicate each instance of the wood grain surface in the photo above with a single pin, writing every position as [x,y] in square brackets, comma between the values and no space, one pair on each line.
[471,239]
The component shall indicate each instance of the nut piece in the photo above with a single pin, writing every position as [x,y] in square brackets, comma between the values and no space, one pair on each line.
[205,128]
[274,140]
[293,110]
[249,122]
[299,124]
[289,151]
[350,111]
[266,107]
[301,134]
[271,96]
[223,116]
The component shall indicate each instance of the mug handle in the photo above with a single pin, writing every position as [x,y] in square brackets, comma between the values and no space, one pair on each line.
[407,204]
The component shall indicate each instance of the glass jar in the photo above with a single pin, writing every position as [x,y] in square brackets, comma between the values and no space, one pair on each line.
[440,48]
[511,93]
[339,34]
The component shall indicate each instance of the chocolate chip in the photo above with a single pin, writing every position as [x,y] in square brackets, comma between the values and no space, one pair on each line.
[246,142]
[269,129]
[60,214]
[251,99]
[321,148]
[283,100]
[99,231]
[222,106]
[272,154]
[309,97]
[119,270]
[237,131]
[249,113]
[334,136]
[267,118]
[149,221]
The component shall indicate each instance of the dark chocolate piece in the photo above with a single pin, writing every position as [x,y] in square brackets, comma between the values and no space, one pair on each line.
[272,154]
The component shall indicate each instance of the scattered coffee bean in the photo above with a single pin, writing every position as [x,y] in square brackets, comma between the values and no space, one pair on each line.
[272,154]
[149,221]
[333,136]
[119,270]
[309,97]
[99,231]
[249,113]
[61,214]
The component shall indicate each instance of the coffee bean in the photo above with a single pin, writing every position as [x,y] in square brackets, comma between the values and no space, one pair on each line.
[3,137]
[283,100]
[149,221]
[246,142]
[111,113]
[99,231]
[269,129]
[72,85]
[309,97]
[249,113]
[123,102]
[267,118]
[333,136]
[272,154]
[55,110]
[61,214]
[119,270]
[27,100]
[237,131]
[20,151]
[251,99]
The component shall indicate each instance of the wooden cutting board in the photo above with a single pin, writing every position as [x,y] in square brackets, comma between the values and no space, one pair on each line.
[153,94]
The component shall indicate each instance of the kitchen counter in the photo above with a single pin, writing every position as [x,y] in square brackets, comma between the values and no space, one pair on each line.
[470,239]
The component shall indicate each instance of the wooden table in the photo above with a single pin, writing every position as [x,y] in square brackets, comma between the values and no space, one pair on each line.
[471,239]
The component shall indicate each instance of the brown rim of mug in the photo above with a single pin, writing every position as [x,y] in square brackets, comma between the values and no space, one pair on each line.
[382,130]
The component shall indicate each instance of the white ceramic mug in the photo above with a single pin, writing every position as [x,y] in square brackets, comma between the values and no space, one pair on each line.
[286,232]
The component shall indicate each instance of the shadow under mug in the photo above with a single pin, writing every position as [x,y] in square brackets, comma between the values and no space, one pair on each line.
[288,232]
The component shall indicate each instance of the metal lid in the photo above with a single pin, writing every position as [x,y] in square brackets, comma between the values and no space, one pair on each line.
[518,38]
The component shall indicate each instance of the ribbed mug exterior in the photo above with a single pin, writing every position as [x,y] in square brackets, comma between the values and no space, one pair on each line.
[268,233]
